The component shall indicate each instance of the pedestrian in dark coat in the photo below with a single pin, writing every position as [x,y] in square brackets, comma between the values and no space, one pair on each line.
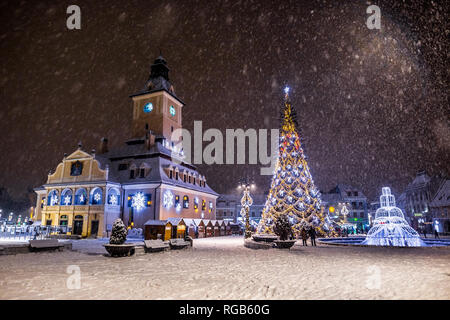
[312,234]
[304,237]
[436,234]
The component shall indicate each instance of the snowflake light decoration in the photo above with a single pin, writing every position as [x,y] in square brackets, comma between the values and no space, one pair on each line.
[53,200]
[67,200]
[138,201]
[97,197]
[113,199]
[82,199]
[168,199]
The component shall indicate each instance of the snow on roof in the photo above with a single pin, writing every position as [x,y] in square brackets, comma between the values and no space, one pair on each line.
[442,197]
[155,223]
[189,222]
[198,221]
[175,221]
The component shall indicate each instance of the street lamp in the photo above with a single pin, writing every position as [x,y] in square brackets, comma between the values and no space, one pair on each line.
[246,202]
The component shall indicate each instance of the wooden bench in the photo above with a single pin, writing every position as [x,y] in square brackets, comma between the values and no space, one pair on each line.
[155,245]
[47,244]
[179,244]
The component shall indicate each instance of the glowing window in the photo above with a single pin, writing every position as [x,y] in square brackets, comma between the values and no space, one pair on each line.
[172,111]
[148,107]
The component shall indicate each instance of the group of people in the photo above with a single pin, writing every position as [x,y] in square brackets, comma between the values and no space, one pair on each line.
[308,233]
[424,231]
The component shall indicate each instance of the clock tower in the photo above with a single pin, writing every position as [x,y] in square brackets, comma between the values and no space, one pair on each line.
[157,108]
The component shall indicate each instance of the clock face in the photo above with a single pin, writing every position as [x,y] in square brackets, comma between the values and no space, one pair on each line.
[148,107]
[172,111]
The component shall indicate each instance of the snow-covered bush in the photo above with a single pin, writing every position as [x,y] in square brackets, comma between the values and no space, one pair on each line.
[282,227]
[119,232]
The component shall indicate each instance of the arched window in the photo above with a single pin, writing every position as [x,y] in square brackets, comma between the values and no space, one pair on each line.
[53,198]
[185,202]
[81,197]
[66,197]
[96,196]
[113,197]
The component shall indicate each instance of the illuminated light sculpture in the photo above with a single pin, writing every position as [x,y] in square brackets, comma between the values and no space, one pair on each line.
[292,192]
[246,202]
[390,227]
[168,199]
[138,201]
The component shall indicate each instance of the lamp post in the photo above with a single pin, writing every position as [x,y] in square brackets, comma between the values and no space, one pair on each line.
[344,211]
[246,202]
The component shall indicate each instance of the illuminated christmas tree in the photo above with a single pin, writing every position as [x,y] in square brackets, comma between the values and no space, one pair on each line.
[292,192]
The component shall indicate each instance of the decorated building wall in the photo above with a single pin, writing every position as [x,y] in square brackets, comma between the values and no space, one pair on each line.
[137,182]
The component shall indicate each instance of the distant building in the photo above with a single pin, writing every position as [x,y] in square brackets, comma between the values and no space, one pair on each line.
[419,194]
[373,207]
[226,207]
[353,198]
[440,208]
[229,207]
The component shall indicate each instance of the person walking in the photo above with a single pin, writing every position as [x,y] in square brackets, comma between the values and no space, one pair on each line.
[304,237]
[312,234]
[424,232]
[436,234]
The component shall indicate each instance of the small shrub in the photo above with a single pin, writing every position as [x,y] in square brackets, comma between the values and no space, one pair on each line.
[119,233]
[282,227]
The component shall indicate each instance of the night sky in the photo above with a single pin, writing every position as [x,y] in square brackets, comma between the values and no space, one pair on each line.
[372,104]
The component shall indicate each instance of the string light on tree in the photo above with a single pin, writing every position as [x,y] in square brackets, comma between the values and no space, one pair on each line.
[292,192]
